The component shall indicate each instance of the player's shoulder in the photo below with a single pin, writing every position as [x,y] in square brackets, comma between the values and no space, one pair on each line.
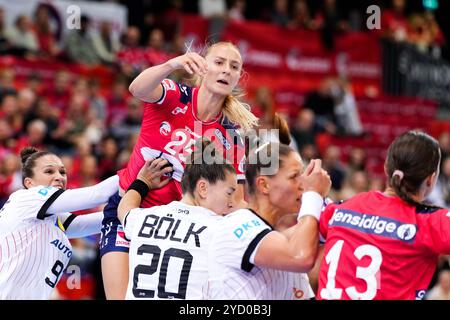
[358,199]
[38,192]
[193,212]
[169,84]
[145,211]
[427,209]
[240,214]
[184,89]
[173,91]
[31,203]
[369,195]
[245,218]
[237,231]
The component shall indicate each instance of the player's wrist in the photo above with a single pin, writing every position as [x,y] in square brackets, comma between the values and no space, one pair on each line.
[172,65]
[140,187]
[312,203]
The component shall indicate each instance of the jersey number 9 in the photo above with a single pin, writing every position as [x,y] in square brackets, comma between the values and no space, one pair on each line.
[57,269]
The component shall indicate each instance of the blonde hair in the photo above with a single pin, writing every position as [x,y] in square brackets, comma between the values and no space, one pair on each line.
[235,110]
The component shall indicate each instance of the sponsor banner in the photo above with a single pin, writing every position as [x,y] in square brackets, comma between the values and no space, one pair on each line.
[268,48]
[407,71]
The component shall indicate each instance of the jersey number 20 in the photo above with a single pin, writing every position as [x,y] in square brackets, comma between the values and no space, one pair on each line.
[153,267]
[368,274]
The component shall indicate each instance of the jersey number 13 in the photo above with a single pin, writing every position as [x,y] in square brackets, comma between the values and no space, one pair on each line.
[368,274]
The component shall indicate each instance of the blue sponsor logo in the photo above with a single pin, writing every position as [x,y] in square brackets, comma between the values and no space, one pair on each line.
[239,231]
[373,224]
[62,247]
[44,191]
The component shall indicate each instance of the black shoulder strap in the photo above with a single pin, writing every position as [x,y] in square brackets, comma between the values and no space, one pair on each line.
[42,214]
[246,265]
[69,220]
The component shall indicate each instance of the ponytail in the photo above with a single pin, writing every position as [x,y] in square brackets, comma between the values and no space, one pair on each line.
[204,163]
[239,113]
[407,168]
[283,129]
[403,190]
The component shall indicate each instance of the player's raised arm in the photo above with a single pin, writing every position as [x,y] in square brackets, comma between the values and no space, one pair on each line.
[298,253]
[146,86]
[85,198]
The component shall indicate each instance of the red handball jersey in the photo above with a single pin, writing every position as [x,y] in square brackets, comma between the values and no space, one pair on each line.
[169,130]
[378,247]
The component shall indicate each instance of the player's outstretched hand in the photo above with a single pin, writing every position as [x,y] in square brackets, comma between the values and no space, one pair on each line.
[192,62]
[153,171]
[316,179]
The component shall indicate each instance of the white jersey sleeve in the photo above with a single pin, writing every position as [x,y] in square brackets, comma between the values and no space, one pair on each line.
[238,238]
[85,198]
[33,203]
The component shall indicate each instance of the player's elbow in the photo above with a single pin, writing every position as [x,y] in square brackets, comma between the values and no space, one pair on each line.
[305,260]
[122,210]
[134,89]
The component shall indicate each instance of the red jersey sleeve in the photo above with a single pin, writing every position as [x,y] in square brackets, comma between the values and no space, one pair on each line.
[325,217]
[171,93]
[434,230]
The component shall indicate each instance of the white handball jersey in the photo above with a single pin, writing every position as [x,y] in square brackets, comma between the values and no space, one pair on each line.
[233,275]
[34,250]
[169,251]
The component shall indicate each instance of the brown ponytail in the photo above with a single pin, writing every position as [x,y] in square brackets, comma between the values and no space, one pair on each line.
[416,155]
[281,124]
[262,158]
[204,163]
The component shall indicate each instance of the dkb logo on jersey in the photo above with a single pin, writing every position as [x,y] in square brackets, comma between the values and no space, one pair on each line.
[239,231]
[372,224]
[165,128]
